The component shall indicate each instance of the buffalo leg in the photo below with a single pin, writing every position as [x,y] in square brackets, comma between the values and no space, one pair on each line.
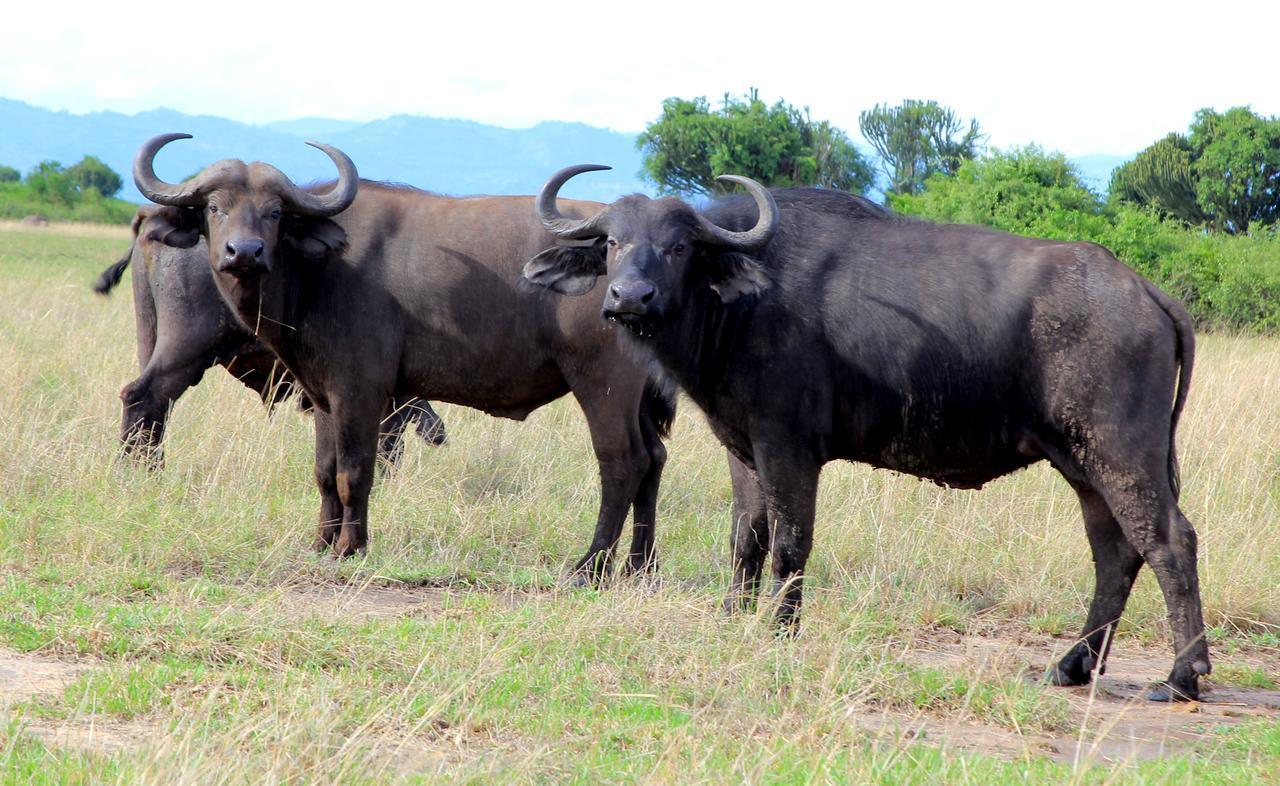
[623,461]
[790,483]
[148,400]
[1142,499]
[400,414]
[749,536]
[327,482]
[429,425]
[643,557]
[391,432]
[1116,564]
[356,435]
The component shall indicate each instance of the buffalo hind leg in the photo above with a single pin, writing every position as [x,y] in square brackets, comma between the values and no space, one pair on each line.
[790,483]
[624,462]
[748,536]
[148,400]
[1116,564]
[400,414]
[1143,502]
[643,557]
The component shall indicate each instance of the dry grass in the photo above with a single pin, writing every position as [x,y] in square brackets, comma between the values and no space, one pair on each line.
[181,590]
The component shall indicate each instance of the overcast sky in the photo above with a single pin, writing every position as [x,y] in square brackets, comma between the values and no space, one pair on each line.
[1081,77]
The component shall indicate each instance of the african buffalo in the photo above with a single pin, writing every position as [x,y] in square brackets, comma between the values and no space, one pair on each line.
[369,290]
[814,325]
[184,327]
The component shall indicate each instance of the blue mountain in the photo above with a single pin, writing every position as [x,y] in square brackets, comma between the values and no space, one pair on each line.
[448,156]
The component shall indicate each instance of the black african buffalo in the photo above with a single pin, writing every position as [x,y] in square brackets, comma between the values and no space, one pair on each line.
[367,291]
[184,327]
[814,325]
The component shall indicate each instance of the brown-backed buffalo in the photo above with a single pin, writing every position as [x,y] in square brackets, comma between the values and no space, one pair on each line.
[367,291]
[184,327]
[813,325]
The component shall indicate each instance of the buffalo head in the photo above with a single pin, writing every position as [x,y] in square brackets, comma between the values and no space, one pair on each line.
[653,251]
[245,211]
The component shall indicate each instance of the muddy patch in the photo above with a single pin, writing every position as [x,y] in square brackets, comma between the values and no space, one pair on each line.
[1110,720]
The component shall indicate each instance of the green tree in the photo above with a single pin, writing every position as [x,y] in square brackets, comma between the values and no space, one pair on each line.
[1162,176]
[49,182]
[1224,173]
[779,145]
[918,139]
[9,175]
[91,172]
[1238,170]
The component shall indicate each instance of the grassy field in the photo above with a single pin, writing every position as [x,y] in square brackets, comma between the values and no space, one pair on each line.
[174,628]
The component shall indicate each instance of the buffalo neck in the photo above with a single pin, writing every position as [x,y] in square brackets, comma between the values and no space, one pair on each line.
[697,346]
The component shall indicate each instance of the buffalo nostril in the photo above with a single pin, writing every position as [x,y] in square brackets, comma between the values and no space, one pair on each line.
[615,293]
[647,296]
[257,252]
[231,250]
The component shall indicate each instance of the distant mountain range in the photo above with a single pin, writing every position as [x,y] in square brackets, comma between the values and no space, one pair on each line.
[456,157]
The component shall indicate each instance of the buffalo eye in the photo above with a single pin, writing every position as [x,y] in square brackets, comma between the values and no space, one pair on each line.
[612,243]
[213,209]
[274,215]
[678,248]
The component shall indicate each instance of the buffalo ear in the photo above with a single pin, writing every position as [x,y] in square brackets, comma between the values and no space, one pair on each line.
[312,238]
[570,269]
[733,274]
[179,227]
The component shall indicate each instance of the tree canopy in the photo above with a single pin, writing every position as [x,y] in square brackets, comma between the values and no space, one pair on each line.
[1224,173]
[91,172]
[918,139]
[779,145]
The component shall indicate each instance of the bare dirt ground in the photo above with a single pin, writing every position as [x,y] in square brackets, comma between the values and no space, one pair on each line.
[1111,720]
[24,676]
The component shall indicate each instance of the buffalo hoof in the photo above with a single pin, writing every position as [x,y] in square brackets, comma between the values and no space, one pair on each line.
[1071,671]
[346,548]
[580,578]
[640,565]
[590,571]
[1167,692]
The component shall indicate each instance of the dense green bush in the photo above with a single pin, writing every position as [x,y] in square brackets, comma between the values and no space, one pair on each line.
[65,194]
[1227,282]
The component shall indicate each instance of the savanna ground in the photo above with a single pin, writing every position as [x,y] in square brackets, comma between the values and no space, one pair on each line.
[174,627]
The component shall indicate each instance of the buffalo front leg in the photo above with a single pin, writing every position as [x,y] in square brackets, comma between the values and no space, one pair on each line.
[748,538]
[1116,564]
[356,435]
[789,479]
[327,482]
[643,557]
[623,460]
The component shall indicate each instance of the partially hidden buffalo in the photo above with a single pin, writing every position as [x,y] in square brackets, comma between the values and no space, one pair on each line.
[184,327]
[367,291]
[813,325]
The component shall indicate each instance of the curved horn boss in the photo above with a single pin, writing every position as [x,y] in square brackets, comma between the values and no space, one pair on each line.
[336,200]
[187,194]
[558,225]
[753,238]
[191,193]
